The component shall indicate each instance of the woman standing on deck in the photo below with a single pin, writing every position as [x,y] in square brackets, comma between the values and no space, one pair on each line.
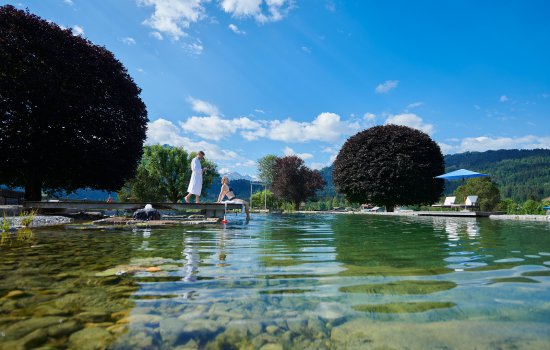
[228,191]
[195,185]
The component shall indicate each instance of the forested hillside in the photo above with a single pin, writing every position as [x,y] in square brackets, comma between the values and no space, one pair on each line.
[519,174]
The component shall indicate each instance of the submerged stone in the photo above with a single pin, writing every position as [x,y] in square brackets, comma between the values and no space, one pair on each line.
[399,308]
[401,287]
[22,328]
[90,339]
[514,280]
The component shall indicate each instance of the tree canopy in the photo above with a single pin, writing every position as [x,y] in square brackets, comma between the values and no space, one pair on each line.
[70,114]
[295,182]
[389,165]
[266,168]
[163,174]
[483,187]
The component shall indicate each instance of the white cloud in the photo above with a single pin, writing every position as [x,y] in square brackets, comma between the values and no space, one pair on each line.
[446,148]
[203,107]
[216,128]
[484,143]
[236,29]
[287,151]
[326,127]
[261,10]
[172,17]
[415,105]
[254,134]
[330,6]
[386,86]
[195,48]
[369,117]
[140,70]
[68,2]
[503,98]
[162,131]
[156,35]
[306,49]
[129,41]
[78,30]
[211,125]
[410,120]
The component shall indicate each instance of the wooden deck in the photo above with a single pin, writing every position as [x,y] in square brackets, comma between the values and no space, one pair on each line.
[210,210]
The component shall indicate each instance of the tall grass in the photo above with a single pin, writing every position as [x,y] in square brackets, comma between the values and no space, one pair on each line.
[27,218]
[5,224]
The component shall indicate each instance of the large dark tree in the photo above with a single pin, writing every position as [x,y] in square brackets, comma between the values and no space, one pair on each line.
[295,182]
[70,115]
[389,165]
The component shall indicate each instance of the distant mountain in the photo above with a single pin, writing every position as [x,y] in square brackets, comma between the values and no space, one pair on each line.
[241,188]
[519,174]
[87,194]
[237,176]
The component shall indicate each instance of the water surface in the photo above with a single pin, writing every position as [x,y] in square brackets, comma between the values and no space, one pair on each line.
[282,282]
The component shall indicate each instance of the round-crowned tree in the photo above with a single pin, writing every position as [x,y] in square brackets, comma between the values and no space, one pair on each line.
[389,165]
[295,182]
[70,115]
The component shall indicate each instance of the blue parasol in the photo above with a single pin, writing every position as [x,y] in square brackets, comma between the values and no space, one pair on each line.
[460,174]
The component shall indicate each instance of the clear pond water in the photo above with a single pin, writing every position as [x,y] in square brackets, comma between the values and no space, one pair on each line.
[281,282]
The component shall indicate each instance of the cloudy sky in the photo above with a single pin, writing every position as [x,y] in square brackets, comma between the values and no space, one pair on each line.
[244,78]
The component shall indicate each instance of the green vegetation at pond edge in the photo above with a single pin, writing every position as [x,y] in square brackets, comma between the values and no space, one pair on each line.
[400,287]
[399,308]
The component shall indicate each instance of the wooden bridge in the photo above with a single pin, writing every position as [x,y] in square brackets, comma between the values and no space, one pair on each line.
[210,210]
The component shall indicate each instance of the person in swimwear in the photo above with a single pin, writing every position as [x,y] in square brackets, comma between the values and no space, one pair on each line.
[228,191]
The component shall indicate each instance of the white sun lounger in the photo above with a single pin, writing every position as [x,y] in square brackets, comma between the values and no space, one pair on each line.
[449,202]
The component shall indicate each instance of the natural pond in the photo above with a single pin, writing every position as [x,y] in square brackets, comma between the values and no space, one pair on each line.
[281,282]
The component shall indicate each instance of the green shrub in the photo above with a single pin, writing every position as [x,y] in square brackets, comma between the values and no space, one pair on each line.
[288,207]
[532,207]
[509,206]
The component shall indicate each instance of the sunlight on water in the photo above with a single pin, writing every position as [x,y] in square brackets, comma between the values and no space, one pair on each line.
[283,282]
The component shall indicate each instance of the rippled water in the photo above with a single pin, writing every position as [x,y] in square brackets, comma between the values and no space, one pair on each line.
[282,282]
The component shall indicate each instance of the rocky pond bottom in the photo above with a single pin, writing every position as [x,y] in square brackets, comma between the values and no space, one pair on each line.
[280,282]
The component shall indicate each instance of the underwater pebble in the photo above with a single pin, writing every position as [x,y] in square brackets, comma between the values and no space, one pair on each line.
[90,339]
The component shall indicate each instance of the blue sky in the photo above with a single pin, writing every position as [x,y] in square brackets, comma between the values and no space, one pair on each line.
[244,78]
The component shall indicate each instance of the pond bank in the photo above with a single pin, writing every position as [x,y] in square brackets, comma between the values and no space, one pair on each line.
[15,222]
[423,213]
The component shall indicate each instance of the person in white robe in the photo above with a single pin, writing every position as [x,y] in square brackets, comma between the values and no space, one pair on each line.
[195,184]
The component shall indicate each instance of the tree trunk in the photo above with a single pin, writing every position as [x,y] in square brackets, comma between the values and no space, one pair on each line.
[390,208]
[33,190]
[297,205]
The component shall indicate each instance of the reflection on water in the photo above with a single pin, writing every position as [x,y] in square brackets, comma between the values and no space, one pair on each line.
[283,282]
